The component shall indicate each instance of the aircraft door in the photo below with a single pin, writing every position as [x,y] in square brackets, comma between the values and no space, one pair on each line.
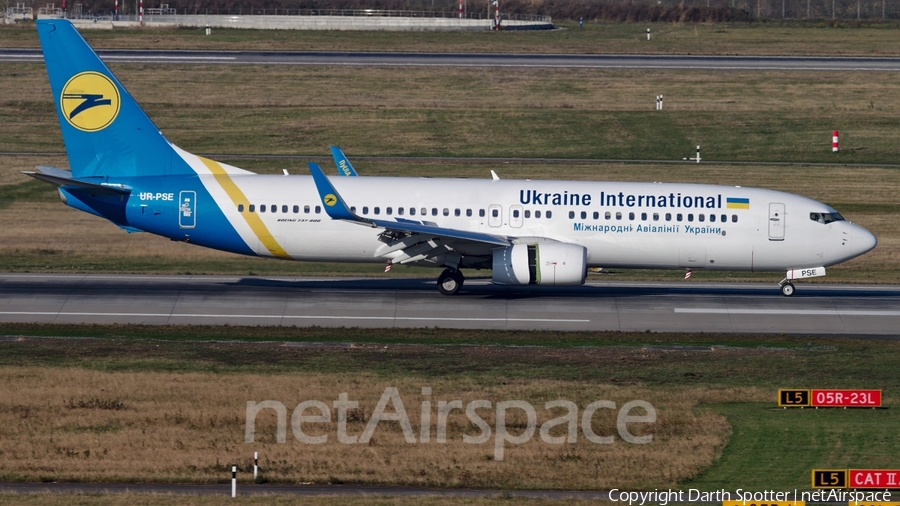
[495,215]
[187,209]
[776,222]
[515,216]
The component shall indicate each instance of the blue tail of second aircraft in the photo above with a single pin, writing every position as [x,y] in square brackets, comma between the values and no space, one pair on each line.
[105,131]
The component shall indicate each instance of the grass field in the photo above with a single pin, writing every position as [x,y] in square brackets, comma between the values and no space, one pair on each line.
[770,38]
[570,113]
[134,499]
[168,404]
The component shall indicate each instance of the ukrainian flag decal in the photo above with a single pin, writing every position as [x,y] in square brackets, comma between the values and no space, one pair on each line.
[737,203]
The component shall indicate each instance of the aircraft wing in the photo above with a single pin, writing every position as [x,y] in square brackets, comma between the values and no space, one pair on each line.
[343,164]
[406,241]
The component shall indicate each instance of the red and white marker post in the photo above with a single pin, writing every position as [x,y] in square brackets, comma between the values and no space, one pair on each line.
[834,142]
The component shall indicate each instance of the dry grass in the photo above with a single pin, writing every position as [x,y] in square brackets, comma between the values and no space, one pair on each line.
[465,112]
[156,426]
[135,499]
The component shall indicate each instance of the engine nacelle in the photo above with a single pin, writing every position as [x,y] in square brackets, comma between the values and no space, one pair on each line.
[546,263]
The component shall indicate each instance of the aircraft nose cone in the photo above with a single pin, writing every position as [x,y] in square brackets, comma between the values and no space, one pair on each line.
[862,240]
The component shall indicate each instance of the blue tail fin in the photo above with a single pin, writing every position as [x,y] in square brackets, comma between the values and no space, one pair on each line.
[106,132]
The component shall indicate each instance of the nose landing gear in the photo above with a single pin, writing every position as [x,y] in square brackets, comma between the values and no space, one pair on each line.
[787,288]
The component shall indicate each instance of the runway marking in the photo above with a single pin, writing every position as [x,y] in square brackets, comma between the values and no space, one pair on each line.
[295,317]
[798,312]
[177,58]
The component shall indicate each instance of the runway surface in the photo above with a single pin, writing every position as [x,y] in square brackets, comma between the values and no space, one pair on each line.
[480,60]
[839,310]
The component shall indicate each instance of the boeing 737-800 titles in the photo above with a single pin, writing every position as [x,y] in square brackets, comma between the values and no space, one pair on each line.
[527,232]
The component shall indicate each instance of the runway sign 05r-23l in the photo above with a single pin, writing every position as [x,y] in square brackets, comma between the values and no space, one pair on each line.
[828,398]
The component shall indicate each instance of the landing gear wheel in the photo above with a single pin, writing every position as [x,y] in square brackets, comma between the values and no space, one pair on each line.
[787,289]
[450,281]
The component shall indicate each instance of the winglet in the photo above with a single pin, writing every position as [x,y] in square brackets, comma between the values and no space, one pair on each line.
[343,164]
[334,205]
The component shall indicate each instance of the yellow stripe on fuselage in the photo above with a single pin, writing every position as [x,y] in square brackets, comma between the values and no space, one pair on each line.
[237,197]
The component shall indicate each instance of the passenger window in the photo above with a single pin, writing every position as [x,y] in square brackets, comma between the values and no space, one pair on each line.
[678,217]
[318,209]
[365,209]
[252,208]
[352,209]
[643,216]
[468,212]
[389,211]
[724,218]
[631,216]
[515,213]
[305,209]
[596,215]
[701,217]
[296,209]
[618,216]
[495,213]
[571,215]
[456,212]
[690,216]
[537,214]
[481,213]
[734,218]
[712,217]
[434,211]
[399,211]
[528,214]
[262,208]
[424,211]
[274,208]
[608,215]
[377,210]
[446,212]
[655,216]
[412,211]
[240,208]
[549,214]
[583,215]
[284,209]
[668,216]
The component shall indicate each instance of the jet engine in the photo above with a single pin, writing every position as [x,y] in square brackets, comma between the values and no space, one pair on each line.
[546,263]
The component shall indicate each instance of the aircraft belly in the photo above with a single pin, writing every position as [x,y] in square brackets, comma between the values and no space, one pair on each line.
[352,243]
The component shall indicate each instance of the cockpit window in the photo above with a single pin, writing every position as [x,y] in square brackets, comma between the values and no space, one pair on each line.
[826,217]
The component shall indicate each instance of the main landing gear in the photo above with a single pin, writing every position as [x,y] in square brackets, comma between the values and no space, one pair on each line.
[450,281]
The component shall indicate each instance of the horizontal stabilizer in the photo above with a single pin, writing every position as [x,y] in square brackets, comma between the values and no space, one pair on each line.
[63,178]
